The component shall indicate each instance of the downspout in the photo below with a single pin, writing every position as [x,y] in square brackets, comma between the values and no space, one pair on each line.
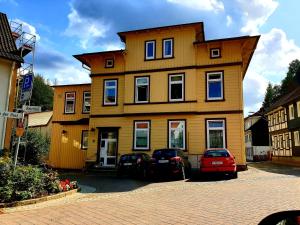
[7,104]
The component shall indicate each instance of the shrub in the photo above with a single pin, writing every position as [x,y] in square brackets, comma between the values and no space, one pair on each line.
[6,184]
[37,148]
[51,181]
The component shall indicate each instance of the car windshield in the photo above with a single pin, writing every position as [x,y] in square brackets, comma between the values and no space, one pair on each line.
[128,157]
[216,153]
[164,153]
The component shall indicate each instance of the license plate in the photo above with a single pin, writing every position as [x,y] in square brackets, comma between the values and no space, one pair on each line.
[127,164]
[217,162]
[163,161]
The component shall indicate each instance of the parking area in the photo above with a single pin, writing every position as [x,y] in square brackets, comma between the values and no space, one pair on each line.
[263,189]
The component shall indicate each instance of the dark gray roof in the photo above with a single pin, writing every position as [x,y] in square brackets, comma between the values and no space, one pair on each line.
[8,48]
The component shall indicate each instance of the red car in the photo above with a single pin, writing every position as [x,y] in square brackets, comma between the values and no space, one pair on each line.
[218,161]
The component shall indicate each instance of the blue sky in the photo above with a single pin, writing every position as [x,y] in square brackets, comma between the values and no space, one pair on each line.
[64,28]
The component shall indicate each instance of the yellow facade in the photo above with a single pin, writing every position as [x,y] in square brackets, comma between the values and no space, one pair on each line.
[112,127]
[66,150]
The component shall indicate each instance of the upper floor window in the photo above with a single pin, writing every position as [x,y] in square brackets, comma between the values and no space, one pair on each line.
[110,92]
[296,138]
[168,48]
[86,102]
[298,109]
[176,87]
[142,135]
[177,134]
[70,102]
[149,50]
[215,134]
[214,86]
[291,112]
[84,139]
[109,63]
[141,89]
[215,53]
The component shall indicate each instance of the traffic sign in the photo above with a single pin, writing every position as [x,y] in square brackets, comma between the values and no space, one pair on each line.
[31,108]
[11,115]
[27,82]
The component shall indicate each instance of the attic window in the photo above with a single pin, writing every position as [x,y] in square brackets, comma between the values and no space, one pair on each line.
[215,53]
[109,63]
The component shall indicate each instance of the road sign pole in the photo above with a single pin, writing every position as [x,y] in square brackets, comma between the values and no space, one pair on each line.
[18,146]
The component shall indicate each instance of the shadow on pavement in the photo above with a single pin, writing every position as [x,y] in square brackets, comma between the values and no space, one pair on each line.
[270,167]
[208,178]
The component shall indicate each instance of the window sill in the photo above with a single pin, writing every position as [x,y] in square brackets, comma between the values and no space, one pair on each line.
[140,150]
[109,105]
[163,58]
[215,100]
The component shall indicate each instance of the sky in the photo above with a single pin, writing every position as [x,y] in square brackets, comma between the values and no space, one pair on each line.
[64,28]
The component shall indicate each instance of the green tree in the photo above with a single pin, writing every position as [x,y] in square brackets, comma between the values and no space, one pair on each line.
[269,96]
[42,93]
[289,81]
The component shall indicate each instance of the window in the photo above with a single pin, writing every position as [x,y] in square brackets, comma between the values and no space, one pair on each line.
[86,102]
[150,50]
[167,48]
[84,139]
[215,86]
[141,89]
[176,87]
[291,112]
[142,135]
[296,138]
[215,53]
[282,116]
[109,63]
[177,134]
[70,102]
[298,109]
[216,134]
[110,92]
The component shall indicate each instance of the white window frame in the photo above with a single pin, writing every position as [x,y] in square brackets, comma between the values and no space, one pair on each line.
[107,65]
[212,55]
[82,132]
[297,138]
[84,101]
[164,48]
[214,80]
[136,90]
[70,99]
[184,132]
[216,128]
[176,82]
[146,50]
[144,129]
[110,87]
[291,112]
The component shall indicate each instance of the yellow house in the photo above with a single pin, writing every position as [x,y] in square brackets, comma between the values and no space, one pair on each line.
[169,87]
[70,125]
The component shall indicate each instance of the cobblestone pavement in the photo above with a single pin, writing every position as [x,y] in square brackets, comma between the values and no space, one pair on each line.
[258,192]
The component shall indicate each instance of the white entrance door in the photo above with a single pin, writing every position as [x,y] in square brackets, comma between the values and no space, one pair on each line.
[108,149]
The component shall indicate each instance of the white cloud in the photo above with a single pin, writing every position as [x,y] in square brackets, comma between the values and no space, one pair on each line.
[114,46]
[228,20]
[70,74]
[28,28]
[256,13]
[203,5]
[85,29]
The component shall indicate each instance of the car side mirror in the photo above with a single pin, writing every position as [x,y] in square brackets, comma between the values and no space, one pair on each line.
[284,217]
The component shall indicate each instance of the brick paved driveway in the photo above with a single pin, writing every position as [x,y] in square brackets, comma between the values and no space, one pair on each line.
[260,191]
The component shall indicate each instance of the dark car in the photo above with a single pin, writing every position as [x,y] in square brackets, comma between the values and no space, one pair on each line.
[134,164]
[218,161]
[170,162]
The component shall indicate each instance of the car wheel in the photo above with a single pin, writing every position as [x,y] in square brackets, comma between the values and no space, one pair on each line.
[235,175]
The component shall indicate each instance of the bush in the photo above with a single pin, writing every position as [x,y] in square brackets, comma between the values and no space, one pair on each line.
[25,182]
[37,148]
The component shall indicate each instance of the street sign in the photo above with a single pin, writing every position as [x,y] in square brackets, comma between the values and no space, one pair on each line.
[27,82]
[31,108]
[11,115]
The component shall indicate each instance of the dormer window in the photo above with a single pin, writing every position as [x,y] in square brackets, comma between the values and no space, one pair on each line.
[215,53]
[168,48]
[109,63]
[149,50]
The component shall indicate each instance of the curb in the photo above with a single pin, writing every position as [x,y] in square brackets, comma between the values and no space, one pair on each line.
[38,200]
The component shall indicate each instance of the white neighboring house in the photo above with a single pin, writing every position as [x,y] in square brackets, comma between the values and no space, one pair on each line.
[41,122]
[256,138]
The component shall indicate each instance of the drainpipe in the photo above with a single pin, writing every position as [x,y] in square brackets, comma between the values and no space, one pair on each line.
[7,104]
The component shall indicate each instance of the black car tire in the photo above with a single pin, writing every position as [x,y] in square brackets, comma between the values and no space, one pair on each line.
[234,175]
